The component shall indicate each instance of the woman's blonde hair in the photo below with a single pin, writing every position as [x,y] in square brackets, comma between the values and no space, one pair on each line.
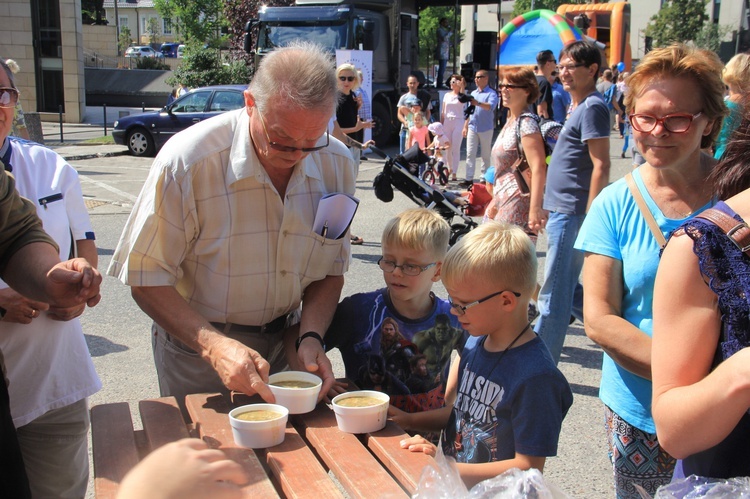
[494,252]
[737,73]
[701,66]
[418,229]
[350,67]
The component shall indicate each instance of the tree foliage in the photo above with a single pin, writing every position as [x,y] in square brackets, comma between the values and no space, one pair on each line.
[153,30]
[202,67]
[126,38]
[92,12]
[677,21]
[198,21]
[429,20]
[711,35]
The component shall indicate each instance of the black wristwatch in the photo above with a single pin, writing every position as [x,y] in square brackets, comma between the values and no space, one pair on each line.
[309,334]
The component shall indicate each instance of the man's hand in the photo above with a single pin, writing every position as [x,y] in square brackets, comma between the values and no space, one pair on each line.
[184,469]
[315,360]
[18,308]
[73,283]
[240,368]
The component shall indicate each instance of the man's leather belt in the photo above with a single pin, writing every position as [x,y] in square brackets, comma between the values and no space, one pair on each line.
[272,327]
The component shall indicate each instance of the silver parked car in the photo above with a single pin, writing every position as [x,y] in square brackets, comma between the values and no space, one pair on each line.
[142,51]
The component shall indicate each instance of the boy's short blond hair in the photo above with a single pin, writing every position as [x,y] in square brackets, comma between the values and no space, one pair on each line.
[493,252]
[418,229]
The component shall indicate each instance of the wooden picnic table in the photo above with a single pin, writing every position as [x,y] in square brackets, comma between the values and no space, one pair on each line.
[370,465]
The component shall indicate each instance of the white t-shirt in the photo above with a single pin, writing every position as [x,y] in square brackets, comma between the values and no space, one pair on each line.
[47,362]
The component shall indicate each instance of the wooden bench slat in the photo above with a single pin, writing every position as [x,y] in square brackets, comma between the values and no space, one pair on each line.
[358,471]
[405,466]
[113,446]
[297,470]
[162,421]
[209,413]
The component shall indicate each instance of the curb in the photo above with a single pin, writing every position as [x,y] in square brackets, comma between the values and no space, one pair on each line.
[79,157]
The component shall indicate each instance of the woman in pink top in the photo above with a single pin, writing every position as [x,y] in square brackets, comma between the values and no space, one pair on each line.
[452,118]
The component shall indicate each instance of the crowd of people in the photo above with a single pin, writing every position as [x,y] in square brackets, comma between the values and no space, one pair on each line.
[235,301]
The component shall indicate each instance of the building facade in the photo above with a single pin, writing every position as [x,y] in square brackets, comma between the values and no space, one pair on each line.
[136,16]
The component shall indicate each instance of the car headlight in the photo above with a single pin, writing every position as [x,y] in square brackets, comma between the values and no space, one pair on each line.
[116,123]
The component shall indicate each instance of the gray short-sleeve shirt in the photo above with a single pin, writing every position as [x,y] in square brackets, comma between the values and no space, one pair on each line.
[569,173]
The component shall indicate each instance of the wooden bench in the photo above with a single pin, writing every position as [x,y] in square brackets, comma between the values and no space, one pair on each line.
[366,466]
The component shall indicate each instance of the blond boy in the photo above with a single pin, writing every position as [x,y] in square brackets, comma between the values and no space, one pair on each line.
[511,398]
[385,327]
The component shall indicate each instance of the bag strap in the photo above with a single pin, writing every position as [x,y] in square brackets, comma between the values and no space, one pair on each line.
[738,232]
[519,146]
[647,215]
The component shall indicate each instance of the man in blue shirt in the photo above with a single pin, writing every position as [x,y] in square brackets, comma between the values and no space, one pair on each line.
[578,171]
[480,126]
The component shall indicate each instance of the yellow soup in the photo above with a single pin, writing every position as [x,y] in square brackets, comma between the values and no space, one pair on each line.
[359,401]
[260,415]
[294,384]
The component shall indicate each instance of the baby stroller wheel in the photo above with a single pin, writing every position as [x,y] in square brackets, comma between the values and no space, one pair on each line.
[457,232]
[443,175]
[428,177]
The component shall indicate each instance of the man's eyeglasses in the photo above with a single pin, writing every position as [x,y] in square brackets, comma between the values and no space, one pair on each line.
[569,67]
[675,123]
[407,268]
[347,78]
[283,148]
[461,309]
[510,85]
[8,97]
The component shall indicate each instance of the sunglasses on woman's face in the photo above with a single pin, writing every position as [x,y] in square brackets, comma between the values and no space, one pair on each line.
[347,78]
[8,97]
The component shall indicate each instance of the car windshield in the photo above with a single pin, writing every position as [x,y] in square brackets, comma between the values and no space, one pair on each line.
[194,102]
[329,36]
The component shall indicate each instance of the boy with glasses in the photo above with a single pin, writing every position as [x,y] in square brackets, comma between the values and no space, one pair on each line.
[414,244]
[511,398]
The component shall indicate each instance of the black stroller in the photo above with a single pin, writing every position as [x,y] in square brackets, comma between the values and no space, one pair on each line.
[402,172]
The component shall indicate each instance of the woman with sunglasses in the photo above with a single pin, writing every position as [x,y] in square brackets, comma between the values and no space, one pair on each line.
[519,91]
[452,118]
[675,106]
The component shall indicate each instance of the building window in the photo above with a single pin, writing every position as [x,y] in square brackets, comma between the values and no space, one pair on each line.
[124,21]
[167,26]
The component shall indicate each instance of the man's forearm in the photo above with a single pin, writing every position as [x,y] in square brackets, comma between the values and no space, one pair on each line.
[319,304]
[599,180]
[27,270]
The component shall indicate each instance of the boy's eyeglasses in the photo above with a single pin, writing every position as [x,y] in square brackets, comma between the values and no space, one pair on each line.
[283,148]
[510,85]
[675,123]
[461,309]
[8,97]
[407,268]
[347,78]
[569,67]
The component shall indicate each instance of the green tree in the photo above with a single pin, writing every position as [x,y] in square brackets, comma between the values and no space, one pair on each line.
[153,30]
[711,36]
[429,19]
[199,21]
[151,63]
[92,12]
[126,38]
[677,21]
[202,67]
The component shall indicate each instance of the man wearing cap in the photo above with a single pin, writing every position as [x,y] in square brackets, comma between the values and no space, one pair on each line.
[545,65]
[220,249]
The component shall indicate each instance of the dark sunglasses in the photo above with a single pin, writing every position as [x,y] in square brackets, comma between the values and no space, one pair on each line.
[510,85]
[347,78]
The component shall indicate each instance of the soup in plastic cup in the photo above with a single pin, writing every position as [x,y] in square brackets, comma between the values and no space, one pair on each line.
[296,390]
[362,411]
[258,426]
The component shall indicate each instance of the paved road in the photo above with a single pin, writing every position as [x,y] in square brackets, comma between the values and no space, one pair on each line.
[118,332]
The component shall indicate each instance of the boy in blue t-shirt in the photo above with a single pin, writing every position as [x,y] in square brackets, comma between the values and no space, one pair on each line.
[380,331]
[511,398]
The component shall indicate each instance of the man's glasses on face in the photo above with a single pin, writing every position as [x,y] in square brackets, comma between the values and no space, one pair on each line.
[406,269]
[675,123]
[283,148]
[8,97]
[569,67]
[461,309]
[347,78]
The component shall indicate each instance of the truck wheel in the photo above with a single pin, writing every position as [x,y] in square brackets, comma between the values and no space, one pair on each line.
[381,130]
[140,143]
